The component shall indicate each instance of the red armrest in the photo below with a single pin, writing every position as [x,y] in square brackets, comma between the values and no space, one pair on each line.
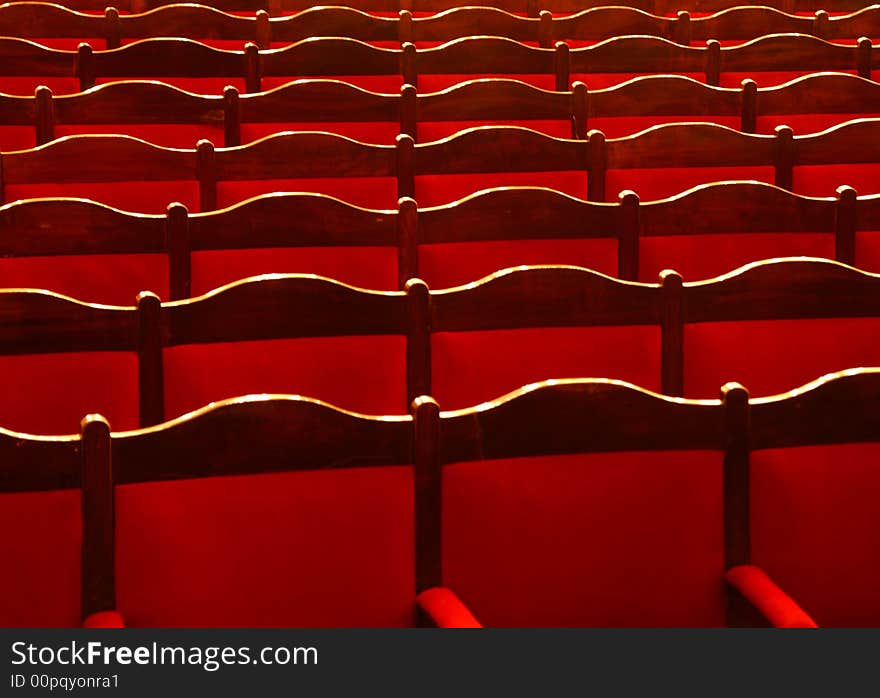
[104,619]
[771,601]
[445,609]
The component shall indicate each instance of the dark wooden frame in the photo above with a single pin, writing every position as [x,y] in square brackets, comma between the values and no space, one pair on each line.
[342,56]
[36,20]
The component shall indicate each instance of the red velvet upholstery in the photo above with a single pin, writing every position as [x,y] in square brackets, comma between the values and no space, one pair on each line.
[868,250]
[705,256]
[623,539]
[111,279]
[445,609]
[366,267]
[26,84]
[104,620]
[363,374]
[50,393]
[322,548]
[472,367]
[823,180]
[814,528]
[453,264]
[17,137]
[41,553]
[773,356]
[773,603]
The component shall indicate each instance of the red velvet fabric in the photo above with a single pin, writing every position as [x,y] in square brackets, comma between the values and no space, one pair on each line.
[26,84]
[104,620]
[823,180]
[453,264]
[704,256]
[472,367]
[773,356]
[814,528]
[366,267]
[109,279]
[17,137]
[868,250]
[323,548]
[51,393]
[363,374]
[445,609]
[622,539]
[773,603]
[41,550]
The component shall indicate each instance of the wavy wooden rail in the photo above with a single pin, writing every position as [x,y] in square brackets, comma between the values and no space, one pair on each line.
[633,55]
[37,20]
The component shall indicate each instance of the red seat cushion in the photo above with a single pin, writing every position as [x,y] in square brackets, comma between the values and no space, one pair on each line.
[51,393]
[110,279]
[452,264]
[363,374]
[472,367]
[704,256]
[623,539]
[815,524]
[773,356]
[330,548]
[823,180]
[41,550]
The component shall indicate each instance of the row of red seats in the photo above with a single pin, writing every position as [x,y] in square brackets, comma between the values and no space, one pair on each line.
[102,255]
[192,65]
[567,503]
[165,115]
[60,27]
[373,352]
[659,162]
